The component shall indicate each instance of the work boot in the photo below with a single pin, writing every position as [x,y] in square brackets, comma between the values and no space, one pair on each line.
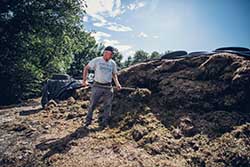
[104,124]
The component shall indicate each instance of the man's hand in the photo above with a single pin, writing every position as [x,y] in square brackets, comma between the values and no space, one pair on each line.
[118,87]
[117,83]
[85,83]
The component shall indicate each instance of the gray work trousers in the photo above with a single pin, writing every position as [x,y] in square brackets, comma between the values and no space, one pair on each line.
[97,93]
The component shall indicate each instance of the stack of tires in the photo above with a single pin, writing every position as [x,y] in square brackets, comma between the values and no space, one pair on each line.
[240,51]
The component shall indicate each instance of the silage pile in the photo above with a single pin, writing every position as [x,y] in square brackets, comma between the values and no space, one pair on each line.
[192,112]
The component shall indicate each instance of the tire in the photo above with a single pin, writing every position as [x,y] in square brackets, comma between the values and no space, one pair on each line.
[238,49]
[174,54]
[45,96]
[200,53]
[61,77]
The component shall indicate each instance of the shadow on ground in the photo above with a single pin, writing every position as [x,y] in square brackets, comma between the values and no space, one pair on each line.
[63,145]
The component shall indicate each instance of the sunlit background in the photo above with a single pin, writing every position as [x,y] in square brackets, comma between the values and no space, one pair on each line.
[160,25]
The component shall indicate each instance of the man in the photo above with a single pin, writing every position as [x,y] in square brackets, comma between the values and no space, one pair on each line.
[105,69]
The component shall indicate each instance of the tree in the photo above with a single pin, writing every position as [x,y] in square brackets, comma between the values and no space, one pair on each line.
[37,38]
[128,62]
[117,57]
[90,50]
[166,52]
[155,55]
[140,56]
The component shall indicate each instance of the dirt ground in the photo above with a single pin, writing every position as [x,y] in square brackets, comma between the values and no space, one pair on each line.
[192,112]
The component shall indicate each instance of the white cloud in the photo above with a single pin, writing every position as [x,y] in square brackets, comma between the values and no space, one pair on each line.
[142,35]
[100,10]
[121,48]
[118,27]
[111,42]
[125,50]
[113,26]
[85,18]
[111,8]
[99,18]
[108,7]
[116,8]
[128,53]
[100,21]
[136,5]
[156,36]
[99,35]
[99,24]
[102,37]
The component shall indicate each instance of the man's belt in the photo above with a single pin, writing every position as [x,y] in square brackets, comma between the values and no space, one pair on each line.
[102,84]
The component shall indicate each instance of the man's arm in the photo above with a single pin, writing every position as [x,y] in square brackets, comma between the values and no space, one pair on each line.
[117,83]
[85,75]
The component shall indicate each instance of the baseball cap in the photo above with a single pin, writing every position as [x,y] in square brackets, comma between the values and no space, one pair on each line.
[111,49]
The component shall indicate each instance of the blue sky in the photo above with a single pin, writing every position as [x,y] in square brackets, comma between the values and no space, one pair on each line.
[161,25]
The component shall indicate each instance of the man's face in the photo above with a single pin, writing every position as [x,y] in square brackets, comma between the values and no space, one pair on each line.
[107,55]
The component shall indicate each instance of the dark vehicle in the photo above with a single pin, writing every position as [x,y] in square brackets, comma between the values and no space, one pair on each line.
[59,87]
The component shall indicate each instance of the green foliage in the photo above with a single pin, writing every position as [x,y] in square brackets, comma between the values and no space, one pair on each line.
[89,51]
[140,56]
[128,62]
[117,57]
[37,38]
[155,55]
